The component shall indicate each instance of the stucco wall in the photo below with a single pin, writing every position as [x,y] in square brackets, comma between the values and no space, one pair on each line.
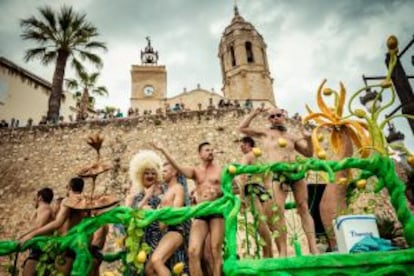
[23,99]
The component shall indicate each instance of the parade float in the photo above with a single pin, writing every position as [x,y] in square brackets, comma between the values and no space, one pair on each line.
[370,163]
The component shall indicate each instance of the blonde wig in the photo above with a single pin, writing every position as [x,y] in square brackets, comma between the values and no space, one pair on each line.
[144,159]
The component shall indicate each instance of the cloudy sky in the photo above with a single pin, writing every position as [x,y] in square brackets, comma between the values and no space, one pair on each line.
[307,41]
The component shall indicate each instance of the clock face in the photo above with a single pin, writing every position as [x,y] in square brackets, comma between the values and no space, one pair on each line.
[149,90]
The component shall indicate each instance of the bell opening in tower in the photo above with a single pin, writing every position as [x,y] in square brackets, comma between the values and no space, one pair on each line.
[249,52]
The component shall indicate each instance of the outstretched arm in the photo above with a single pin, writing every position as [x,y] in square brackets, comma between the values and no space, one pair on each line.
[186,171]
[51,226]
[40,219]
[245,128]
[304,144]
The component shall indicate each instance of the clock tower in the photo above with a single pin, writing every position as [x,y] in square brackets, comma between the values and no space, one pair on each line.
[148,81]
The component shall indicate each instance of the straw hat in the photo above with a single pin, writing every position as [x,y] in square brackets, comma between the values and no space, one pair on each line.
[84,202]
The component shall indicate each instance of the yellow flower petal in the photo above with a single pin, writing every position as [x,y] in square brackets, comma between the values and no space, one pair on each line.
[341,100]
[321,103]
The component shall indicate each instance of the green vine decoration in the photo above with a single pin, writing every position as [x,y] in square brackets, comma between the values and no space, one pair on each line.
[136,248]
[374,263]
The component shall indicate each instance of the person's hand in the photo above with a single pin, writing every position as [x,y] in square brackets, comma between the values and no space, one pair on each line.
[24,239]
[193,198]
[306,133]
[150,191]
[258,110]
[305,130]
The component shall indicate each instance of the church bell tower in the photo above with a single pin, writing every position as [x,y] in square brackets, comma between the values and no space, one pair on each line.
[243,60]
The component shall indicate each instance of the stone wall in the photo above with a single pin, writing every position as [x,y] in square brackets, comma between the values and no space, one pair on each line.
[32,158]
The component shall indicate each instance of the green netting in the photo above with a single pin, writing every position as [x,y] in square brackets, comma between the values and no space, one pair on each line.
[375,263]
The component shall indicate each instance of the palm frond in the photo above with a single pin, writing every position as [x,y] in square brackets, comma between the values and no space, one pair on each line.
[65,18]
[95,45]
[32,24]
[77,65]
[49,15]
[72,84]
[35,53]
[91,57]
[83,76]
[93,77]
[36,36]
[49,57]
[101,91]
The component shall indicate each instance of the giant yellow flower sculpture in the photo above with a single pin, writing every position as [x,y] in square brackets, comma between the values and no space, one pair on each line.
[344,131]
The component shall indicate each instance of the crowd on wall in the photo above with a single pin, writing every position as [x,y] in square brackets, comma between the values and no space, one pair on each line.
[116,113]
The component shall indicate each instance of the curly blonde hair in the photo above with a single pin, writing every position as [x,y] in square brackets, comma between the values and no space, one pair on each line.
[144,159]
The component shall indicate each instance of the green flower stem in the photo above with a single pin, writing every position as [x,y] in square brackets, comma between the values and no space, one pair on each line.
[353,97]
[387,105]
[395,116]
[247,233]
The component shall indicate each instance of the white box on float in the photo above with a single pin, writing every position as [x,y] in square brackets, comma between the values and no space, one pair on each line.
[351,229]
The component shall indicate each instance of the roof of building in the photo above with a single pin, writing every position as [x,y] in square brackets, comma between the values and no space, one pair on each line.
[20,70]
[187,93]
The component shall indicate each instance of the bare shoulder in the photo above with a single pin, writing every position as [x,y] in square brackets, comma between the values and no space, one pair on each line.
[250,158]
[45,209]
[178,188]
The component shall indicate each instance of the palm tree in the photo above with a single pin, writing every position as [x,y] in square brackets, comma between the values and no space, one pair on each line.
[63,36]
[85,85]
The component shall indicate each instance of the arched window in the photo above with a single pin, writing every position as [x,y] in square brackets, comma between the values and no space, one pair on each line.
[232,56]
[249,52]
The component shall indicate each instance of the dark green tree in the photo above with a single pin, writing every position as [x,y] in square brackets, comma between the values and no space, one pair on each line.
[62,36]
[85,85]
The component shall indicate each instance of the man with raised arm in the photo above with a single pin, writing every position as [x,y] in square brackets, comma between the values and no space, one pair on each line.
[207,181]
[280,145]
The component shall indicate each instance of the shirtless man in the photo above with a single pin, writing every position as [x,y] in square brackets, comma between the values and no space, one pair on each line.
[66,218]
[252,188]
[43,215]
[173,238]
[279,146]
[208,187]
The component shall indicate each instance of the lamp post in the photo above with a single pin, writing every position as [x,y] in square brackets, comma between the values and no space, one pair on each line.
[400,81]
[368,100]
[394,136]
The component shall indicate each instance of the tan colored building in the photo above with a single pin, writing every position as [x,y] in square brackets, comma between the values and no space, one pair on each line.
[148,81]
[195,99]
[24,95]
[243,60]
[245,73]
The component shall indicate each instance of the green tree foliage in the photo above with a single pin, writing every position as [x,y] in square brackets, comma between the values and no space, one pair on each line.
[84,85]
[62,36]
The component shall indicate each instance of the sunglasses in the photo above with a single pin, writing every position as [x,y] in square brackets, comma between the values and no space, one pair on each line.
[277,115]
